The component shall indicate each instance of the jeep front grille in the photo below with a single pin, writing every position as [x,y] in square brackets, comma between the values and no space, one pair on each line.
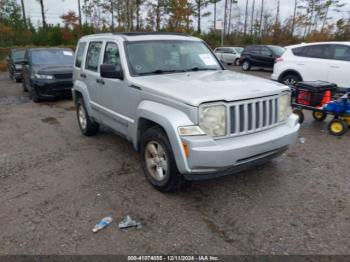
[253,115]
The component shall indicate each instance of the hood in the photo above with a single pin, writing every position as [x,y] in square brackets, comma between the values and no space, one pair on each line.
[195,88]
[53,69]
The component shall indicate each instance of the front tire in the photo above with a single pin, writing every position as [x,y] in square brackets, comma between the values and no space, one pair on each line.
[158,161]
[246,65]
[87,126]
[34,95]
[236,62]
[25,89]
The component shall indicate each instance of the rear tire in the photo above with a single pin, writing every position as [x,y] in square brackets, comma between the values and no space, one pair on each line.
[158,161]
[290,79]
[319,116]
[338,127]
[300,114]
[87,126]
[246,65]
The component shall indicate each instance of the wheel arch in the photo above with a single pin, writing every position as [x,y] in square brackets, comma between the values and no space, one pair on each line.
[287,72]
[150,114]
[80,90]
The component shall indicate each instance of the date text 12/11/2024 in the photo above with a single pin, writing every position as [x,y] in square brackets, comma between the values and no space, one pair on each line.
[173,258]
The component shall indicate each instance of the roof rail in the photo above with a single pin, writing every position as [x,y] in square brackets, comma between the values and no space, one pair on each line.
[148,33]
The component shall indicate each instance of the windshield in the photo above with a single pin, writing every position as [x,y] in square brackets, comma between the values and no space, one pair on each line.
[158,57]
[277,49]
[52,57]
[18,55]
[239,50]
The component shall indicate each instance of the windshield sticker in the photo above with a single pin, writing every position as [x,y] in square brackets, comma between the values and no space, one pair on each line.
[207,59]
[68,53]
[138,67]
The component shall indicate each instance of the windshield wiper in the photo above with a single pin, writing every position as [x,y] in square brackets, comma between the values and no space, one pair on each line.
[161,71]
[201,69]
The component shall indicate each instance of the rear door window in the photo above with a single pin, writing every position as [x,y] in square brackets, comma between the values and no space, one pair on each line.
[317,51]
[265,51]
[80,53]
[342,52]
[93,56]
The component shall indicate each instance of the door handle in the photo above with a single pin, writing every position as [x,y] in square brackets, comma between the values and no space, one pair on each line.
[83,75]
[100,81]
[334,66]
[300,64]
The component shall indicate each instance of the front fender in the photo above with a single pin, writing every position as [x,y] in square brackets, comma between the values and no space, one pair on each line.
[169,119]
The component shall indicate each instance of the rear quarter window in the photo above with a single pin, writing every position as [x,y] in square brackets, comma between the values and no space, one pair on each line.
[298,51]
[80,54]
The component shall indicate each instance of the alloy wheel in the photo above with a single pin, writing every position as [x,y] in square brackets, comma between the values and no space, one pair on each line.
[156,161]
[82,117]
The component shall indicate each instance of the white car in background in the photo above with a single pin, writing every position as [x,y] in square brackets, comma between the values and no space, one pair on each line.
[327,61]
[229,55]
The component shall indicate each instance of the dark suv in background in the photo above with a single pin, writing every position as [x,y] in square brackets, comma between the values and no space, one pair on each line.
[262,56]
[14,63]
[48,72]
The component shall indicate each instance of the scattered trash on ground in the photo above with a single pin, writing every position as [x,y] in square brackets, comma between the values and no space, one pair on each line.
[129,222]
[104,222]
[302,140]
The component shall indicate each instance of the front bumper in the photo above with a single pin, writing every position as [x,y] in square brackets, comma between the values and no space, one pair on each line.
[211,158]
[18,75]
[53,88]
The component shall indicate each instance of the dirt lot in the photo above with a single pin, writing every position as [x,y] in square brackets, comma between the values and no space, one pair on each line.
[55,184]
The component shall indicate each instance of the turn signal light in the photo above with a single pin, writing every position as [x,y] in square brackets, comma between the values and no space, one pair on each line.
[186,149]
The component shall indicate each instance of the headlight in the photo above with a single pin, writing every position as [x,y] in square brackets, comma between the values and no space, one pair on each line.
[212,119]
[190,131]
[38,76]
[284,107]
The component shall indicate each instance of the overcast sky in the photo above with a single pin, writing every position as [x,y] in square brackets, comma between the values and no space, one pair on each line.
[55,8]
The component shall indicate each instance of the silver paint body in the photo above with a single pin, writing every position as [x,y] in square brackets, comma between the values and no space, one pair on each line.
[173,100]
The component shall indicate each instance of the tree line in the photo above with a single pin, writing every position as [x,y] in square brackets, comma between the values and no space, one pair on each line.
[259,22]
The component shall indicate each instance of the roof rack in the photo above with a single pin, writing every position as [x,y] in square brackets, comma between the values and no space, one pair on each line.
[148,33]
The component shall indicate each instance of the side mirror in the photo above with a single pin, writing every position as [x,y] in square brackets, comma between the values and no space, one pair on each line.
[111,71]
[7,58]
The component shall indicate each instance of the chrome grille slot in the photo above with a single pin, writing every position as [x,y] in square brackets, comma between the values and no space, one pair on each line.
[250,116]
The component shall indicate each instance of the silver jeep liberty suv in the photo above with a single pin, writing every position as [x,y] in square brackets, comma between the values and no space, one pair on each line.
[187,115]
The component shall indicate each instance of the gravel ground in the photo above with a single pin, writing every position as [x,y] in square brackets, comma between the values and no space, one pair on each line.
[56,184]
